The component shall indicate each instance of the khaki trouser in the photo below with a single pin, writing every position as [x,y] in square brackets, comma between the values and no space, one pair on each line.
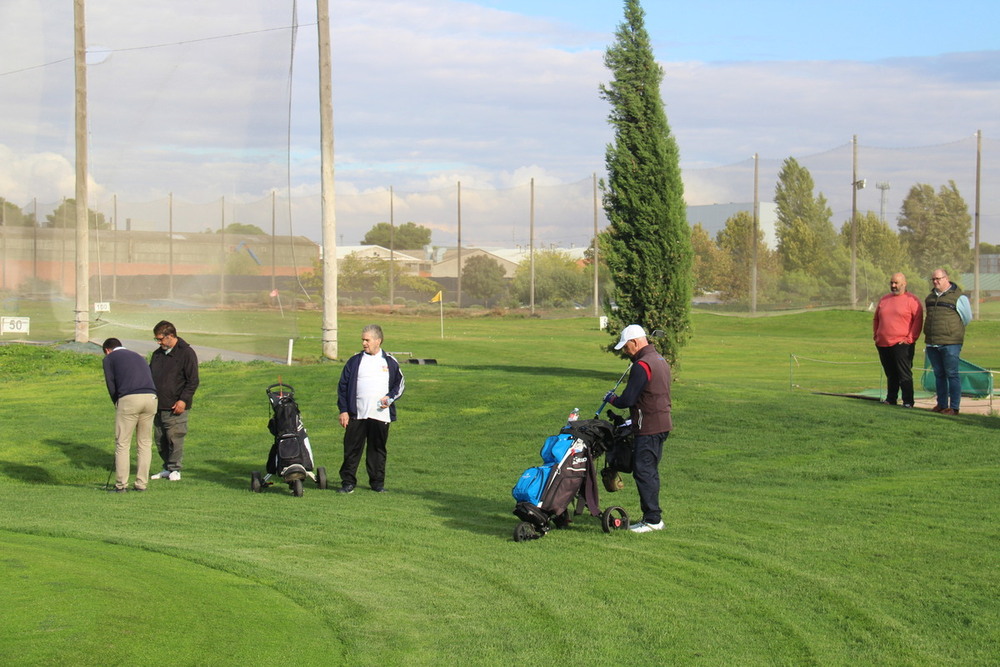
[134,414]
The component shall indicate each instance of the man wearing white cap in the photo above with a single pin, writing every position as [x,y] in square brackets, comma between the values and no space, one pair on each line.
[647,396]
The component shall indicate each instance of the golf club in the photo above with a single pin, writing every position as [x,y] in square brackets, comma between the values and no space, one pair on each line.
[111,471]
[656,333]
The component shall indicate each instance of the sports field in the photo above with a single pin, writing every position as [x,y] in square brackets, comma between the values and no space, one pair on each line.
[801,528]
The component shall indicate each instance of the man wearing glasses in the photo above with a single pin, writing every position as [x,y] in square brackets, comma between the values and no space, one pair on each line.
[175,373]
[947,313]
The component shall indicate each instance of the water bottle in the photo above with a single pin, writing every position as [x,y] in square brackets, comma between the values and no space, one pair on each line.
[573,416]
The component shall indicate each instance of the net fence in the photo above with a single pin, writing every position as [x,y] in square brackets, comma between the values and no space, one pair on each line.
[156,105]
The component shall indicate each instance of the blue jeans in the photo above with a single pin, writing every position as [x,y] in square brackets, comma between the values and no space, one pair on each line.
[948,383]
[647,452]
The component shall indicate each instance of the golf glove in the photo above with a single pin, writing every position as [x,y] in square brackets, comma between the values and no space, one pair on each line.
[610,397]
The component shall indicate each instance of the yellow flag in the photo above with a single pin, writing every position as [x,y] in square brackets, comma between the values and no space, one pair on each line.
[437,297]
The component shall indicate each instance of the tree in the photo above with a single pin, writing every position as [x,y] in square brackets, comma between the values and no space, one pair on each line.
[408,236]
[65,217]
[484,278]
[935,228]
[878,244]
[242,228]
[12,216]
[356,273]
[647,245]
[559,280]
[806,235]
[734,242]
[711,267]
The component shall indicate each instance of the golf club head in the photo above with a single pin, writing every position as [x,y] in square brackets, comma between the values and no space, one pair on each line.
[658,333]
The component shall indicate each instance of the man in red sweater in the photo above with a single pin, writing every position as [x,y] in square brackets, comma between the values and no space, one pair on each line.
[899,318]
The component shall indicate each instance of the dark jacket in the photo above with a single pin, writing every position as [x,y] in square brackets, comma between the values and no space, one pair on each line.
[347,389]
[126,373]
[175,374]
[647,394]
[942,323]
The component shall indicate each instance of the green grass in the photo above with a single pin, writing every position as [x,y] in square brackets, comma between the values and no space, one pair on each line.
[801,529]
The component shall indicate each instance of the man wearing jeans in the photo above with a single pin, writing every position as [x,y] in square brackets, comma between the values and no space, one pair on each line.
[947,313]
[647,396]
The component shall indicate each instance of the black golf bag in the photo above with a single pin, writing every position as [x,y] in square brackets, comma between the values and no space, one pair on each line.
[618,457]
[291,442]
[291,454]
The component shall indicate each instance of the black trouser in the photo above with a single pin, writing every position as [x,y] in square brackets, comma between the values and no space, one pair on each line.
[376,434]
[646,473]
[897,362]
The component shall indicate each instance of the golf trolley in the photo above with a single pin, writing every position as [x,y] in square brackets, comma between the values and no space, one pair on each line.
[567,475]
[290,457]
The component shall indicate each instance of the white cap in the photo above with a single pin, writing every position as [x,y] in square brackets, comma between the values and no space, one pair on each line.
[631,332]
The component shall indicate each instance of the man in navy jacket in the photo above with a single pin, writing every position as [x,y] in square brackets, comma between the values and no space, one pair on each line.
[370,384]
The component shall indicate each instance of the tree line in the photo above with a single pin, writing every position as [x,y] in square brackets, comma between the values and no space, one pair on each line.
[812,260]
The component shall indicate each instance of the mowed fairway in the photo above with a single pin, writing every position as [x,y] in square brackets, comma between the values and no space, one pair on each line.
[801,529]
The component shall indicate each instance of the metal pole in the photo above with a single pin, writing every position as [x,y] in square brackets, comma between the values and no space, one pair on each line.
[327,187]
[597,263]
[170,246]
[753,240]
[82,328]
[458,297]
[854,225]
[531,247]
[222,253]
[979,170]
[392,249]
[114,250]
[273,248]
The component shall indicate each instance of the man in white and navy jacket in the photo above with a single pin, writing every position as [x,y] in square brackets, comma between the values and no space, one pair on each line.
[369,387]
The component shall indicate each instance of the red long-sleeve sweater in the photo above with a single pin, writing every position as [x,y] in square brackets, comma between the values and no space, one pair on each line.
[899,318]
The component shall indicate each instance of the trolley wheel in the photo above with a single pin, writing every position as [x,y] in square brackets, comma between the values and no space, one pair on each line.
[525,531]
[296,486]
[562,520]
[321,477]
[614,518]
[256,483]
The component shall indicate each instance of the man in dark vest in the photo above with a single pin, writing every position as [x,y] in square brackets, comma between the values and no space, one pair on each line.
[647,396]
[947,313]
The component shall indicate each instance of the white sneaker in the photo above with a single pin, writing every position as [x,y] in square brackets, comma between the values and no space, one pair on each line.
[163,474]
[175,476]
[643,527]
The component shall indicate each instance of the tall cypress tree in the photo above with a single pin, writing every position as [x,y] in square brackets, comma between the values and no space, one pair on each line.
[647,245]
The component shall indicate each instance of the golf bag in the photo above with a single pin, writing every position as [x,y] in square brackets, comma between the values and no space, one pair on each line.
[544,493]
[291,442]
[291,455]
[619,454]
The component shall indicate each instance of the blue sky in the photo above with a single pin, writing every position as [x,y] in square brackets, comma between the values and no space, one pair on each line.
[193,100]
[736,30]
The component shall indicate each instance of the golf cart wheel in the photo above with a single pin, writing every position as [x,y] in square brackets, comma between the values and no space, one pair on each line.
[524,531]
[321,477]
[614,518]
[296,486]
[562,520]
[256,484]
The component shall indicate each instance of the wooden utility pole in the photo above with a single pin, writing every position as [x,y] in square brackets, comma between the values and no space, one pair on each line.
[328,197]
[756,226]
[82,319]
